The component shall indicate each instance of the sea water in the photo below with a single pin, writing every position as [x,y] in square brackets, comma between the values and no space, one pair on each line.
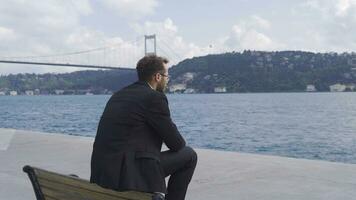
[318,126]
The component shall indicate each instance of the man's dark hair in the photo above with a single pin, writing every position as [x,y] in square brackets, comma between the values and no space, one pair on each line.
[149,65]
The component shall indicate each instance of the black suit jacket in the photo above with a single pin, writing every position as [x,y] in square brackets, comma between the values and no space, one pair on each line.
[135,123]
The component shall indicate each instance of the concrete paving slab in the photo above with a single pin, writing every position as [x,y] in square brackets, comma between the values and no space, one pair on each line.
[5,139]
[219,174]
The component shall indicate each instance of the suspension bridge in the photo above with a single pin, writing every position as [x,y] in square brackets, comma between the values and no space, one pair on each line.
[118,56]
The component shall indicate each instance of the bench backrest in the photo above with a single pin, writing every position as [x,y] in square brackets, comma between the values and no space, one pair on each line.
[53,186]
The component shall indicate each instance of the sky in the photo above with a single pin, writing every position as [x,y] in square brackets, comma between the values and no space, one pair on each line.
[184,29]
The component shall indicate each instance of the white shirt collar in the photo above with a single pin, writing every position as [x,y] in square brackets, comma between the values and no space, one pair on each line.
[150,86]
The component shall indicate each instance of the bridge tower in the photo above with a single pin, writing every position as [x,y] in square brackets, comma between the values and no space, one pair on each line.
[150,37]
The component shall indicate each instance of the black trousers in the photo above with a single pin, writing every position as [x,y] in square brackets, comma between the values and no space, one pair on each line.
[180,166]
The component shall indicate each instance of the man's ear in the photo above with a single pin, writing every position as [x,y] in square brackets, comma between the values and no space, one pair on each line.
[157,77]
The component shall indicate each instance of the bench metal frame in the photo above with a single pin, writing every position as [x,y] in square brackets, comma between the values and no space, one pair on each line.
[36,186]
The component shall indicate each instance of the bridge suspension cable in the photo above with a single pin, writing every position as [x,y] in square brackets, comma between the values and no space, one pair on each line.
[122,55]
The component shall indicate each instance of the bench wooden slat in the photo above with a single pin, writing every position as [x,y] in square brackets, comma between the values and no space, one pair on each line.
[54,186]
[75,191]
[86,185]
[50,198]
[49,193]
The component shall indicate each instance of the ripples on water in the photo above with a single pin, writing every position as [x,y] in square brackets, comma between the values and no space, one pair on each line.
[301,125]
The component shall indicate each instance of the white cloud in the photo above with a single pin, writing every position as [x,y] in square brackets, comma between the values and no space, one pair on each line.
[31,28]
[260,22]
[244,35]
[45,23]
[51,27]
[132,8]
[6,34]
[242,38]
[249,34]
[329,25]
[169,43]
[82,6]
[166,27]
[332,8]
[343,6]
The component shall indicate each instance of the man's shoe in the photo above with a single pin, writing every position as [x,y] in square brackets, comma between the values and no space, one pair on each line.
[158,196]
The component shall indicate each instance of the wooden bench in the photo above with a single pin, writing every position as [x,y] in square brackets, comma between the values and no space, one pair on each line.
[53,186]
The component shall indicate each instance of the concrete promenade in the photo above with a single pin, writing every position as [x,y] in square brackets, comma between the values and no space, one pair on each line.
[219,175]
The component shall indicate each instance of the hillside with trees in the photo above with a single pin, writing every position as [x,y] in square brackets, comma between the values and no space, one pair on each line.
[259,71]
[96,82]
[247,71]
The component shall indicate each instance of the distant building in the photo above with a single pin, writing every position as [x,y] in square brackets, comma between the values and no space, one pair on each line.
[69,92]
[350,87]
[189,91]
[268,57]
[177,87]
[37,92]
[337,87]
[59,92]
[29,92]
[2,93]
[188,77]
[82,92]
[13,93]
[207,77]
[5,90]
[310,88]
[220,89]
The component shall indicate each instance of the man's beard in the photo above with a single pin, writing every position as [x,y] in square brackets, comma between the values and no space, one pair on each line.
[161,88]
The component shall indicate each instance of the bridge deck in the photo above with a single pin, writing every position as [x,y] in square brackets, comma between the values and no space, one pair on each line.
[65,65]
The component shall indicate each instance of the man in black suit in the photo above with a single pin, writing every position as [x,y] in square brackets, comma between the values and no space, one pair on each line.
[127,148]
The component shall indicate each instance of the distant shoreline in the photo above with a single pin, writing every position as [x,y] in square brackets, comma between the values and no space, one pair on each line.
[188,93]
